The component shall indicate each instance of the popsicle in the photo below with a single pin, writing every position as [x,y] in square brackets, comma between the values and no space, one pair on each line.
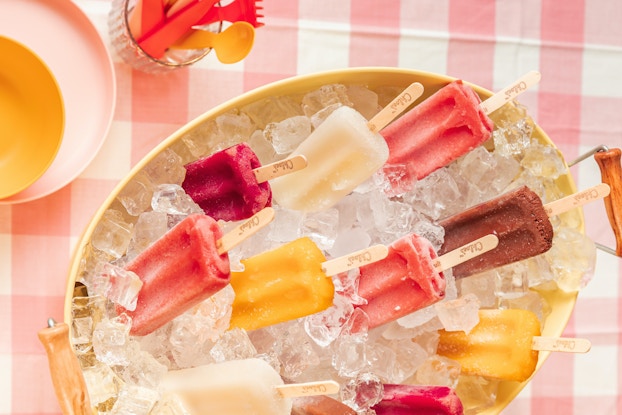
[320,405]
[231,184]
[418,400]
[445,126]
[224,186]
[289,282]
[518,218]
[245,386]
[185,266]
[410,277]
[342,152]
[504,345]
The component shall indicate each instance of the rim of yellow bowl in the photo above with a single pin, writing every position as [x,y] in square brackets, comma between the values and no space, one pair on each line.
[32,117]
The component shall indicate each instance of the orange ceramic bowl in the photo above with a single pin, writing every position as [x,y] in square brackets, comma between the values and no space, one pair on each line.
[32,117]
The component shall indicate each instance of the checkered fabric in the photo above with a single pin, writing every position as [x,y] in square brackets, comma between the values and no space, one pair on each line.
[576,44]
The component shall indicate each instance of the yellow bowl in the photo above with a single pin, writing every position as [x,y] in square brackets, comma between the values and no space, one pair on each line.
[32,117]
[562,303]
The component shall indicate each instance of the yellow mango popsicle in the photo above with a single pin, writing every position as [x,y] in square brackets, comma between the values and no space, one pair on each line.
[280,285]
[504,345]
[499,346]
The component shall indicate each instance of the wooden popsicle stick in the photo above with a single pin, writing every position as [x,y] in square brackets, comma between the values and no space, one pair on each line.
[395,107]
[67,377]
[280,168]
[561,344]
[355,259]
[510,92]
[292,390]
[244,230]
[578,199]
[466,252]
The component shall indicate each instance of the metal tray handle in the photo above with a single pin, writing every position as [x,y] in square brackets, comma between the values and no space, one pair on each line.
[608,161]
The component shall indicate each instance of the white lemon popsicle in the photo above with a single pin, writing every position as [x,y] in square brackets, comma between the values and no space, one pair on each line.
[239,387]
[342,152]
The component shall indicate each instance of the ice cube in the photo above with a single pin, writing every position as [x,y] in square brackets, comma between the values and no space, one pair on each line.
[272,109]
[324,327]
[263,148]
[325,96]
[364,100]
[294,349]
[173,200]
[544,161]
[286,135]
[438,370]
[362,392]
[102,383]
[149,227]
[321,227]
[135,400]
[572,258]
[112,234]
[287,227]
[135,196]
[460,314]
[165,167]
[111,340]
[234,344]
[144,370]
[116,284]
[477,393]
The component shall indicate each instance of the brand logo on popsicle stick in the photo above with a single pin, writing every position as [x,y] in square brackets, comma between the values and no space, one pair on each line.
[561,344]
[516,89]
[244,230]
[359,259]
[465,252]
[395,107]
[510,92]
[280,168]
[248,225]
[355,259]
[578,199]
[474,248]
[325,387]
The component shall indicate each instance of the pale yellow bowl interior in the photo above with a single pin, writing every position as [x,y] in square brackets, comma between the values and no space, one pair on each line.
[32,117]
[562,303]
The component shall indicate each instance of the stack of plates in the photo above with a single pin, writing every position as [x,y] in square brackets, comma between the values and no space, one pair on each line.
[62,37]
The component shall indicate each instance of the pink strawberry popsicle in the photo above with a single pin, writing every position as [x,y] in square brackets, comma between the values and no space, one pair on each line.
[405,281]
[418,400]
[225,186]
[436,132]
[178,271]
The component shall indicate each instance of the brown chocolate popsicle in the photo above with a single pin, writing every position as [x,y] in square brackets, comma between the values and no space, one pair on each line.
[517,217]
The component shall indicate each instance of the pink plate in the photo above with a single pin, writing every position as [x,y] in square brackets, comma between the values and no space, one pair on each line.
[61,34]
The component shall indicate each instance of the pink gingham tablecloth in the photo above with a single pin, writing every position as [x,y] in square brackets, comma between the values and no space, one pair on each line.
[576,44]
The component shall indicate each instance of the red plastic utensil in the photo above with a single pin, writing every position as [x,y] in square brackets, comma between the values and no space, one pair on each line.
[146,15]
[155,42]
[238,10]
[177,6]
[152,14]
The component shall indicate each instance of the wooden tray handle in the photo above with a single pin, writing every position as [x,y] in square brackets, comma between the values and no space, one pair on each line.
[65,369]
[611,172]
